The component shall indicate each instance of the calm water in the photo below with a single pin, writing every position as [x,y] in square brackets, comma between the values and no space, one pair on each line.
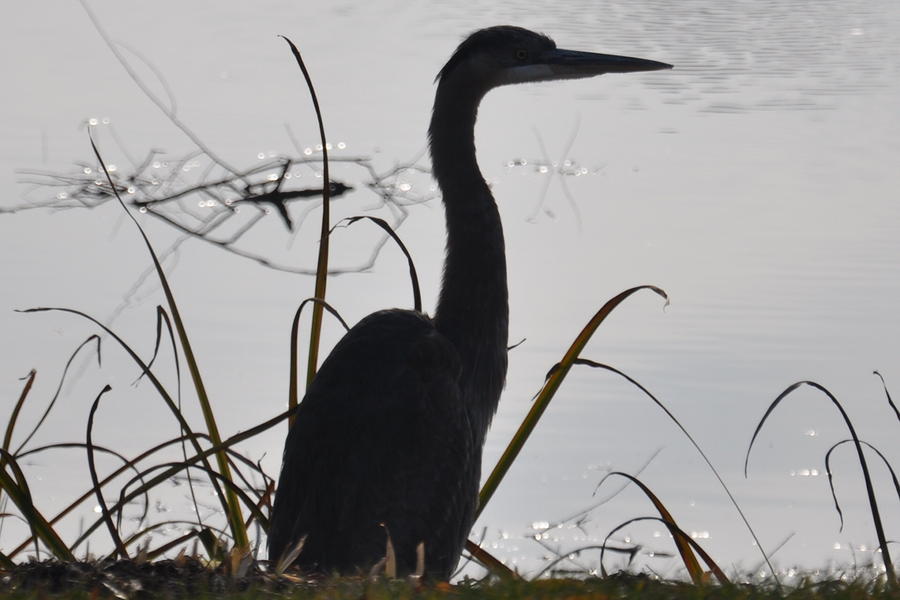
[756,183]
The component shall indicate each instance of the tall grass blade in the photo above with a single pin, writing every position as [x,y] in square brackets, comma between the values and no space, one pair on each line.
[214,549]
[548,391]
[146,486]
[293,391]
[290,555]
[828,471]
[677,534]
[264,502]
[715,472]
[684,547]
[489,561]
[157,384]
[888,394]
[62,380]
[13,418]
[580,516]
[322,263]
[232,506]
[127,464]
[161,550]
[169,469]
[162,318]
[870,490]
[92,467]
[17,490]
[172,469]
[248,501]
[201,456]
[413,277]
[631,552]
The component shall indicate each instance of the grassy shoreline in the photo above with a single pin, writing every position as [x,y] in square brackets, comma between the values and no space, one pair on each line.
[187,577]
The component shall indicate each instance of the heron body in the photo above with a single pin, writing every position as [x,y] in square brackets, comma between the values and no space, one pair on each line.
[388,440]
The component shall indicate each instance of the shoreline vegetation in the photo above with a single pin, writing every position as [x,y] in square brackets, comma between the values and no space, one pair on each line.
[223,560]
[187,577]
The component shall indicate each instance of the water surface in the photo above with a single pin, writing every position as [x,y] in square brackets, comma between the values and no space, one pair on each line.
[756,183]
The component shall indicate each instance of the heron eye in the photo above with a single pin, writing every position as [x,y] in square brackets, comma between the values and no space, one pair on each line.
[521,54]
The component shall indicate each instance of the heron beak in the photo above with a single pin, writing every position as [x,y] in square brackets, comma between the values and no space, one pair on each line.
[572,63]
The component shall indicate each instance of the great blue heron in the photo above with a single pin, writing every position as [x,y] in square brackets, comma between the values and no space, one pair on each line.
[388,440]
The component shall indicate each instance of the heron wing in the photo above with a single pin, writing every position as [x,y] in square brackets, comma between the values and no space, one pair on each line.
[381,440]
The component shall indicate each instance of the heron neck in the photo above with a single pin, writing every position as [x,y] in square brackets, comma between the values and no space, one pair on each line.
[472,311]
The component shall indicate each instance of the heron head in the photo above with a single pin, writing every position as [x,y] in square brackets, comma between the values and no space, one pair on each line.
[505,54]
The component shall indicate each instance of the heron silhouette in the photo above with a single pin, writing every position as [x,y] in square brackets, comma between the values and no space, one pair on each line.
[388,440]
